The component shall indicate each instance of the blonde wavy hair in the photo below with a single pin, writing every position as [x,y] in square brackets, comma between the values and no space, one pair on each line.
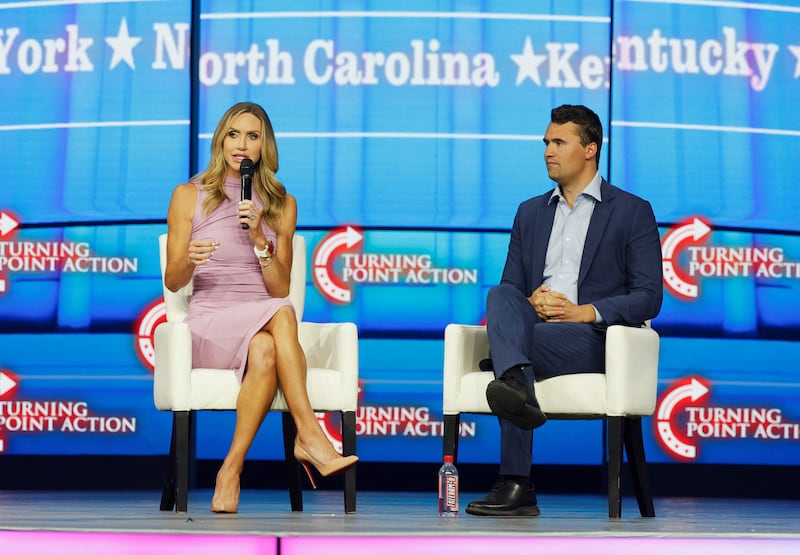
[265,185]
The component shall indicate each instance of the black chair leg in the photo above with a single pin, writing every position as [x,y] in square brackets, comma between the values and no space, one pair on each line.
[292,466]
[181,456]
[349,448]
[184,458]
[634,448]
[168,492]
[615,432]
[452,423]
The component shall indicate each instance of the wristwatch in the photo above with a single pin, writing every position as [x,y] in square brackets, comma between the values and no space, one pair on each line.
[268,251]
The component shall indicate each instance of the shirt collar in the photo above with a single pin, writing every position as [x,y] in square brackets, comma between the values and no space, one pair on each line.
[592,190]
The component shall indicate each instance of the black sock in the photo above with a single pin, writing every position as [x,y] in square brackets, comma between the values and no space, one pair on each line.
[523,481]
[515,374]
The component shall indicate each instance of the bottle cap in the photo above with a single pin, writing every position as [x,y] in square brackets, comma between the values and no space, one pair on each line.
[448,458]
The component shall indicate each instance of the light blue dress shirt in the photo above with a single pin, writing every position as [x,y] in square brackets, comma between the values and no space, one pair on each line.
[565,249]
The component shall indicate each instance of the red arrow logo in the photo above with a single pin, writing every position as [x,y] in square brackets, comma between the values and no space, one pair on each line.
[328,284]
[7,383]
[690,232]
[686,391]
[7,224]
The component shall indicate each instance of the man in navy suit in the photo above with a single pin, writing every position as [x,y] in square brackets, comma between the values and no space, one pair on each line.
[581,257]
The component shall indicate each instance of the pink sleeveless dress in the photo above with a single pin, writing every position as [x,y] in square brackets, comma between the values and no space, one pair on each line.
[230,302]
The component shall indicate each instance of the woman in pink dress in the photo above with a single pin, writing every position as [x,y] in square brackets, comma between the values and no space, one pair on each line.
[240,254]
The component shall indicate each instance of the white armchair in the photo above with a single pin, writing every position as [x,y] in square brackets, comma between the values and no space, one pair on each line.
[331,351]
[622,396]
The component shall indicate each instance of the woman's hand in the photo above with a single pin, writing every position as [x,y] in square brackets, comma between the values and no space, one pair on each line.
[249,215]
[201,251]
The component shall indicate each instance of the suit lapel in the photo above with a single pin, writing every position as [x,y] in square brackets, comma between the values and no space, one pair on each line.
[541,238]
[597,226]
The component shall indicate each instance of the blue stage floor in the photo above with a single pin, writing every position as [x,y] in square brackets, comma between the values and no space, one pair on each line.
[387,524]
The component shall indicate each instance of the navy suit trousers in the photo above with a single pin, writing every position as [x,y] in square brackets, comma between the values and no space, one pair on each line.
[517,336]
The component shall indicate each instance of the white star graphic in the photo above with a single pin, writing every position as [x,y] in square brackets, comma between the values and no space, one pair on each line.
[796,51]
[528,63]
[123,45]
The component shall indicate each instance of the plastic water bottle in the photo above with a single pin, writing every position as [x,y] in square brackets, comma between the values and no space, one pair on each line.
[448,488]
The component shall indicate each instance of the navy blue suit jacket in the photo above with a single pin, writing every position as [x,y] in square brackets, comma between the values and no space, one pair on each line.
[620,271]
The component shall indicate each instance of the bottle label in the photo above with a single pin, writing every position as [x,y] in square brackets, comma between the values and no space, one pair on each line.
[451,492]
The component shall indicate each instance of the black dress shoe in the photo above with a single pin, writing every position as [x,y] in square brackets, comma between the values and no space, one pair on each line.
[511,397]
[507,498]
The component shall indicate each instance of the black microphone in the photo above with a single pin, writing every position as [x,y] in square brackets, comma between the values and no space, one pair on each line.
[246,168]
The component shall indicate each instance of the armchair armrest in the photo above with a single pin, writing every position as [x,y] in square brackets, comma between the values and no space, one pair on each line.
[172,388]
[465,346]
[334,346]
[631,370]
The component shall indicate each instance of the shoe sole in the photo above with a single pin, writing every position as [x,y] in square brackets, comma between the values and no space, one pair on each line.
[527,510]
[510,404]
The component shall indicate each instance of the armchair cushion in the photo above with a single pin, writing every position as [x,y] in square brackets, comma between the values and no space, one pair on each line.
[332,380]
[628,387]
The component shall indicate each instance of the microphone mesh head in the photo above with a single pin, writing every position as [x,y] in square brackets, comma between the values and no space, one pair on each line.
[247,167]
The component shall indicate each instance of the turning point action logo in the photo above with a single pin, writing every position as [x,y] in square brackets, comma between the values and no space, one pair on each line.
[681,420]
[23,416]
[52,256]
[334,280]
[391,421]
[707,261]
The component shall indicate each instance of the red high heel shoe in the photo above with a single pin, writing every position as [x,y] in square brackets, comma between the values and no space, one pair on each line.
[337,465]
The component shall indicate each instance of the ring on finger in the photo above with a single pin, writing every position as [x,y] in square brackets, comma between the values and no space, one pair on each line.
[251,216]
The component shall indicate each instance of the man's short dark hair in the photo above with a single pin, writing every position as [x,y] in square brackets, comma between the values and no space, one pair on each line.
[590,130]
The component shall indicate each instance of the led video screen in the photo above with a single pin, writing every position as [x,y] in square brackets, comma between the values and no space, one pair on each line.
[409,135]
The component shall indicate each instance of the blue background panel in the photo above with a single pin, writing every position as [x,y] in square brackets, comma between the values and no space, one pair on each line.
[696,101]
